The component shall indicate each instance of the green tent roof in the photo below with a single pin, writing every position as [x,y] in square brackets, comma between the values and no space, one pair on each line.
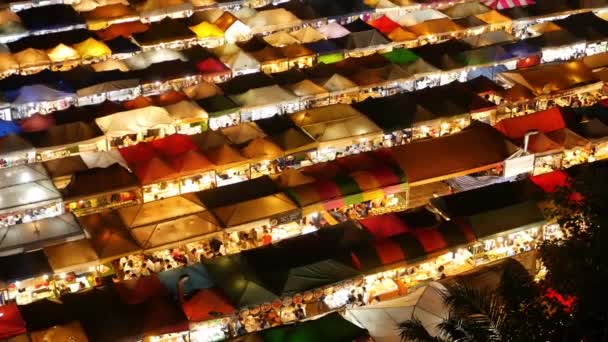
[401,56]
[330,328]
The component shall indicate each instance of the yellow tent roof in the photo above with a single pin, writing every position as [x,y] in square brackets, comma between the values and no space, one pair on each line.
[207,30]
[62,52]
[92,48]
[30,57]
[401,35]
[7,62]
[110,64]
[435,26]
[550,78]
[493,17]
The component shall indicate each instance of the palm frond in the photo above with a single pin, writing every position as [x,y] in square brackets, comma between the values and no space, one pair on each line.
[480,309]
[413,331]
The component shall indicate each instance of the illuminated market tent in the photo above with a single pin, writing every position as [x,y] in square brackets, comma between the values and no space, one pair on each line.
[382,320]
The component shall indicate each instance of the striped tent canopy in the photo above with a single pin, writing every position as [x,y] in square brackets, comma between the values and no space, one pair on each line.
[340,184]
[408,239]
[502,4]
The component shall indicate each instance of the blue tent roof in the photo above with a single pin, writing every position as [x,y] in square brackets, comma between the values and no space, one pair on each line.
[8,127]
[199,279]
[520,49]
[35,93]
[324,46]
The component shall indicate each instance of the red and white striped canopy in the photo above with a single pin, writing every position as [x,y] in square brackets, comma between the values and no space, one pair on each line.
[502,4]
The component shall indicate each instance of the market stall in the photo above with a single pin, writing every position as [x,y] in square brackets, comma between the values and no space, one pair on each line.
[65,140]
[239,61]
[128,128]
[208,34]
[234,29]
[365,43]
[271,20]
[558,83]
[31,61]
[298,146]
[107,235]
[340,88]
[559,45]
[310,94]
[27,195]
[554,145]
[460,155]
[38,98]
[263,155]
[382,319]
[339,130]
[354,180]
[189,117]
[327,51]
[30,236]
[107,86]
[222,111]
[167,222]
[167,33]
[23,277]
[15,150]
[99,188]
[261,103]
[422,74]
[231,166]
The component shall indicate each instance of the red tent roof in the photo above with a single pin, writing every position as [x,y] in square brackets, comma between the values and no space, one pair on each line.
[169,98]
[137,154]
[211,65]
[544,121]
[139,290]
[201,306]
[384,226]
[37,123]
[190,161]
[550,181]
[173,145]
[152,171]
[122,29]
[163,316]
[384,24]
[431,239]
[138,102]
[11,322]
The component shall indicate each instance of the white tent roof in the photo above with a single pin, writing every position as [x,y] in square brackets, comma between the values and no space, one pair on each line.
[144,60]
[333,30]
[273,17]
[240,60]
[307,34]
[244,13]
[24,194]
[22,174]
[417,17]
[280,38]
[186,110]
[381,320]
[263,96]
[160,7]
[134,121]
[107,87]
[385,4]
[32,234]
[338,82]
[306,88]
[103,159]
[89,5]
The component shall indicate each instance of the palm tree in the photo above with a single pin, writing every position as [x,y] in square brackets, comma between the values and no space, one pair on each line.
[511,312]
